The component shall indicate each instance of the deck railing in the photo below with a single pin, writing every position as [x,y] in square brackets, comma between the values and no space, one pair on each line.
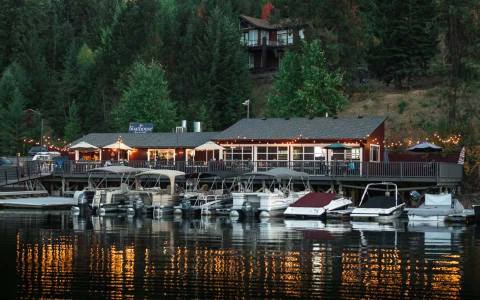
[433,170]
[24,170]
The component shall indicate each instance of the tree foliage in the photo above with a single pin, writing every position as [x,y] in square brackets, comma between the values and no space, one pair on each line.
[305,87]
[146,98]
[406,38]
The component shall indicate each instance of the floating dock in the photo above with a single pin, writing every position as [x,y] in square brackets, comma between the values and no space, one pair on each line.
[38,203]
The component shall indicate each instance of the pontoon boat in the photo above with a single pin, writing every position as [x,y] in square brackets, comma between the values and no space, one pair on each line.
[272,200]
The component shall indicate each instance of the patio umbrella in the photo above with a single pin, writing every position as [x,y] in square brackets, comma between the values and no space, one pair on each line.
[209,146]
[425,147]
[336,146]
[84,145]
[118,145]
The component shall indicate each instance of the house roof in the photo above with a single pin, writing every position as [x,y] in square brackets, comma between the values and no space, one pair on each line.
[304,128]
[149,140]
[265,24]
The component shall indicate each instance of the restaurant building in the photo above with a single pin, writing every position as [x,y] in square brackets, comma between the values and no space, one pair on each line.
[163,146]
[357,139]
[263,141]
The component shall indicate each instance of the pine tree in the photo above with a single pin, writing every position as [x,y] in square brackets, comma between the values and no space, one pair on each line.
[72,128]
[305,87]
[407,37]
[12,106]
[283,102]
[221,76]
[146,99]
[459,66]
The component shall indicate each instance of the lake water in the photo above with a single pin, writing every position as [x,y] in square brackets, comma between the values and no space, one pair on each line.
[52,255]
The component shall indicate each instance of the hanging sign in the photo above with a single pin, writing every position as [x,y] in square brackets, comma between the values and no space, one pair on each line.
[140,127]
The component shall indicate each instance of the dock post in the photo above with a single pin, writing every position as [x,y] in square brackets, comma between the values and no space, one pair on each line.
[63,186]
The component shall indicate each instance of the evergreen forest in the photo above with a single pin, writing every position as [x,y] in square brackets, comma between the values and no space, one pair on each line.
[86,66]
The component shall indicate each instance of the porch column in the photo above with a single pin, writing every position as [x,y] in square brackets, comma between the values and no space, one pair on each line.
[254,158]
[361,160]
[128,154]
[220,153]
[77,155]
[148,154]
[100,154]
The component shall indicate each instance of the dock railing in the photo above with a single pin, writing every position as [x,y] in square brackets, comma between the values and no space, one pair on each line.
[25,170]
[334,169]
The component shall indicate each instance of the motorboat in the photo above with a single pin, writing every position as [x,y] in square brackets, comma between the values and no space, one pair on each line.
[316,205]
[108,198]
[268,201]
[208,198]
[155,197]
[436,208]
[379,208]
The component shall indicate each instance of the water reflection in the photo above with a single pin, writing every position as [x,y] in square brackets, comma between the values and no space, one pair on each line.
[120,257]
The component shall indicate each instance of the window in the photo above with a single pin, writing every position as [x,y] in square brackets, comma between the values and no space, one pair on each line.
[237,153]
[375,153]
[308,153]
[244,38]
[301,34]
[264,37]
[272,153]
[251,61]
[253,38]
[353,154]
[282,37]
[162,154]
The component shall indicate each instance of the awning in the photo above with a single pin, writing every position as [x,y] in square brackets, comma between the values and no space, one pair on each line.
[118,145]
[209,146]
[83,145]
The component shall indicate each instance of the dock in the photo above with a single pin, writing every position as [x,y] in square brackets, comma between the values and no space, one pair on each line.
[38,203]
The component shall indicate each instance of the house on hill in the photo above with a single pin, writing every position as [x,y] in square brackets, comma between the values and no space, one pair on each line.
[267,41]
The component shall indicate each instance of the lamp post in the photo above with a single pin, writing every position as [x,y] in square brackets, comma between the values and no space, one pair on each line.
[247,103]
[41,124]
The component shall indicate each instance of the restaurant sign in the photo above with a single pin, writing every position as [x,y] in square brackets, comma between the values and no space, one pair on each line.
[140,127]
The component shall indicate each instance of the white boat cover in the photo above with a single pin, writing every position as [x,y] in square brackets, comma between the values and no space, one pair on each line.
[438,199]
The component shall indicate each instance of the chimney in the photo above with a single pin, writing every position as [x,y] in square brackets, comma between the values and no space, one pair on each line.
[184,125]
[197,126]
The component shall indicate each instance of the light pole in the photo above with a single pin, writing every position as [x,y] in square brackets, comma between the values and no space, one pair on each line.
[247,103]
[41,124]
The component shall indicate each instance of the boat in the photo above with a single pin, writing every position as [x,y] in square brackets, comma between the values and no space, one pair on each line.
[208,198]
[268,201]
[152,196]
[438,208]
[379,208]
[316,205]
[110,198]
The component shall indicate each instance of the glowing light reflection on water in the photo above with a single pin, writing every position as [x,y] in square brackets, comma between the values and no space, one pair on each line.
[57,255]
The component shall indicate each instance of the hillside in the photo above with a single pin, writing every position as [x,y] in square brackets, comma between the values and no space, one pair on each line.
[411,113]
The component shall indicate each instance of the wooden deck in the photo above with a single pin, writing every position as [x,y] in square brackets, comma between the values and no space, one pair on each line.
[27,171]
[414,172]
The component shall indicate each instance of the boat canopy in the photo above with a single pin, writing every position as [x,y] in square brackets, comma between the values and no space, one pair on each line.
[282,173]
[170,174]
[117,170]
[214,174]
